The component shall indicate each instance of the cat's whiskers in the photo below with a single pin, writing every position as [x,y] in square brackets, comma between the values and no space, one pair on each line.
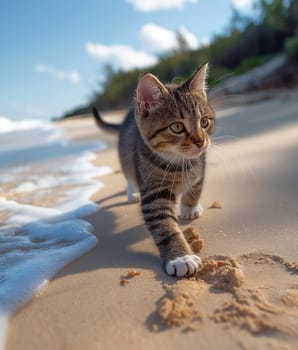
[190,190]
[218,150]
[182,175]
[153,164]
[217,146]
[225,137]
[215,81]
[171,163]
[168,169]
[174,179]
[222,99]
[185,181]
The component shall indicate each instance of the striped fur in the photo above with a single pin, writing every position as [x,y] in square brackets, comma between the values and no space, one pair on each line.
[164,164]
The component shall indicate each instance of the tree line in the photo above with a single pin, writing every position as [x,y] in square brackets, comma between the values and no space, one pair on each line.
[245,44]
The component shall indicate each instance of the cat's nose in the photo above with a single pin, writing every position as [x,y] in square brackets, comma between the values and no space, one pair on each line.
[198,142]
[198,139]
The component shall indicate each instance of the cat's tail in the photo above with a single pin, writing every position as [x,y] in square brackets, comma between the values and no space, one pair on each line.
[109,127]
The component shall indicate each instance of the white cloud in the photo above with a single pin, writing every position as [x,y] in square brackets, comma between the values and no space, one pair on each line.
[156,5]
[190,38]
[40,68]
[242,4]
[122,56]
[158,38]
[73,76]
[162,39]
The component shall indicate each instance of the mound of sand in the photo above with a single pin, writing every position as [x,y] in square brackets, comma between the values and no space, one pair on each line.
[193,238]
[178,306]
[257,309]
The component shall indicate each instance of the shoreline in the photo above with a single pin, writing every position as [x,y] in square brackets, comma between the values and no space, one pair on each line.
[86,307]
[42,203]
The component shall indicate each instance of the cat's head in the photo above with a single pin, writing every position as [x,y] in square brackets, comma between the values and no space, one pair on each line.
[175,120]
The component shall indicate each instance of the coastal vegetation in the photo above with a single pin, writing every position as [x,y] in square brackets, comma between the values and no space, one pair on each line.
[248,42]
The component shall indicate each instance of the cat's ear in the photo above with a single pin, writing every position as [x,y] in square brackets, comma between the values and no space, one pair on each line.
[197,83]
[150,92]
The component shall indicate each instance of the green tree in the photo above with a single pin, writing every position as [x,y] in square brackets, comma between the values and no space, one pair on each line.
[275,13]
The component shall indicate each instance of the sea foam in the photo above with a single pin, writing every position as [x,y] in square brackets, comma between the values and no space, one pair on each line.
[8,125]
[45,185]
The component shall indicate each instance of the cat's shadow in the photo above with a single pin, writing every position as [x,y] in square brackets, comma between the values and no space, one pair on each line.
[114,248]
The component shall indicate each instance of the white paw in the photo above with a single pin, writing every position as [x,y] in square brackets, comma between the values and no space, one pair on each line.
[183,266]
[132,195]
[191,213]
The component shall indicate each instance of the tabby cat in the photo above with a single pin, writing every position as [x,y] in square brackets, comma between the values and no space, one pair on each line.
[162,149]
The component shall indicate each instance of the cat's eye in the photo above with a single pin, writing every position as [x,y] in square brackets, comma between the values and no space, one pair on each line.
[177,128]
[204,122]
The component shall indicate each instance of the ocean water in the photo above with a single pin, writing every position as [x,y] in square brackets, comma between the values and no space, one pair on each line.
[45,185]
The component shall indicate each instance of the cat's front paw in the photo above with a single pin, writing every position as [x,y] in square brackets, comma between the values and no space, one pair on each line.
[133,197]
[191,213]
[186,265]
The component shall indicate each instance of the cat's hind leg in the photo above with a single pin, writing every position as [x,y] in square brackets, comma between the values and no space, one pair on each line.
[133,195]
[190,207]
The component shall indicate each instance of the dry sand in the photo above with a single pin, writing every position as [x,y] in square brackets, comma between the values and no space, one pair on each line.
[245,297]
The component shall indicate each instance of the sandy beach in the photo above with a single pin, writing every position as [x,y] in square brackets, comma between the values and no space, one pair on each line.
[247,296]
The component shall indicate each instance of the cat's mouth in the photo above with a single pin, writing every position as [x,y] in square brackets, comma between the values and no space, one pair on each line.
[193,152]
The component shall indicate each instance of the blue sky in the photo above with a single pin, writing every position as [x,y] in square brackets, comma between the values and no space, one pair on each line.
[53,52]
